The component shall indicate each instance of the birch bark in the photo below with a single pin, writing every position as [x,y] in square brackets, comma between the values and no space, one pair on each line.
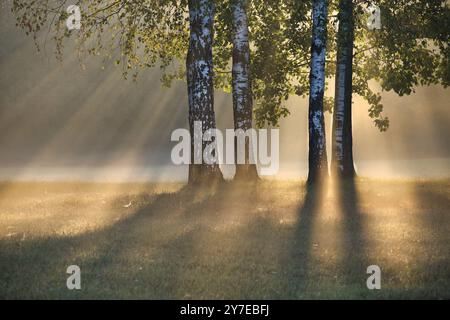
[342,139]
[318,164]
[241,82]
[199,73]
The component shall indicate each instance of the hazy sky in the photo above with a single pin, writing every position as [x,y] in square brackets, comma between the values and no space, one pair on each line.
[56,114]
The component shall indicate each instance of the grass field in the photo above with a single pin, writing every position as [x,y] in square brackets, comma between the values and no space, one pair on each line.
[271,240]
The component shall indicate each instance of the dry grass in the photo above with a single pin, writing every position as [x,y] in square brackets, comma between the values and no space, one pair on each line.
[270,240]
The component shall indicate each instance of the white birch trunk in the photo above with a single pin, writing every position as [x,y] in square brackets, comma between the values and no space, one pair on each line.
[199,69]
[318,165]
[241,82]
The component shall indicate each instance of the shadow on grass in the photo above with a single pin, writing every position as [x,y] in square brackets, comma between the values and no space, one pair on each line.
[195,243]
[310,271]
[432,265]
[228,242]
[354,261]
[298,262]
[36,268]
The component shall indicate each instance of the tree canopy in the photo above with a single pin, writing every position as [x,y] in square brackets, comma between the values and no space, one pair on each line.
[410,49]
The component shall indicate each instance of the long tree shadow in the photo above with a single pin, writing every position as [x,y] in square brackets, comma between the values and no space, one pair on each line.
[230,242]
[353,252]
[298,262]
[140,256]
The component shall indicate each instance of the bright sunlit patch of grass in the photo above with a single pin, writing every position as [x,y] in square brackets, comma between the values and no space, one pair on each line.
[267,240]
[38,209]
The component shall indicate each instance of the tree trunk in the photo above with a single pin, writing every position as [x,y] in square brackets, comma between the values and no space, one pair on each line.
[318,164]
[199,69]
[342,145]
[242,90]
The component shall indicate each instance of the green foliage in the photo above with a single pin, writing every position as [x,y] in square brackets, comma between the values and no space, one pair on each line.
[279,56]
[410,50]
[275,63]
[133,34]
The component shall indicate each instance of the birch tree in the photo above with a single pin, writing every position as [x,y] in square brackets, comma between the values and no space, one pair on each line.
[241,84]
[342,153]
[200,82]
[409,50]
[260,68]
[318,164]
